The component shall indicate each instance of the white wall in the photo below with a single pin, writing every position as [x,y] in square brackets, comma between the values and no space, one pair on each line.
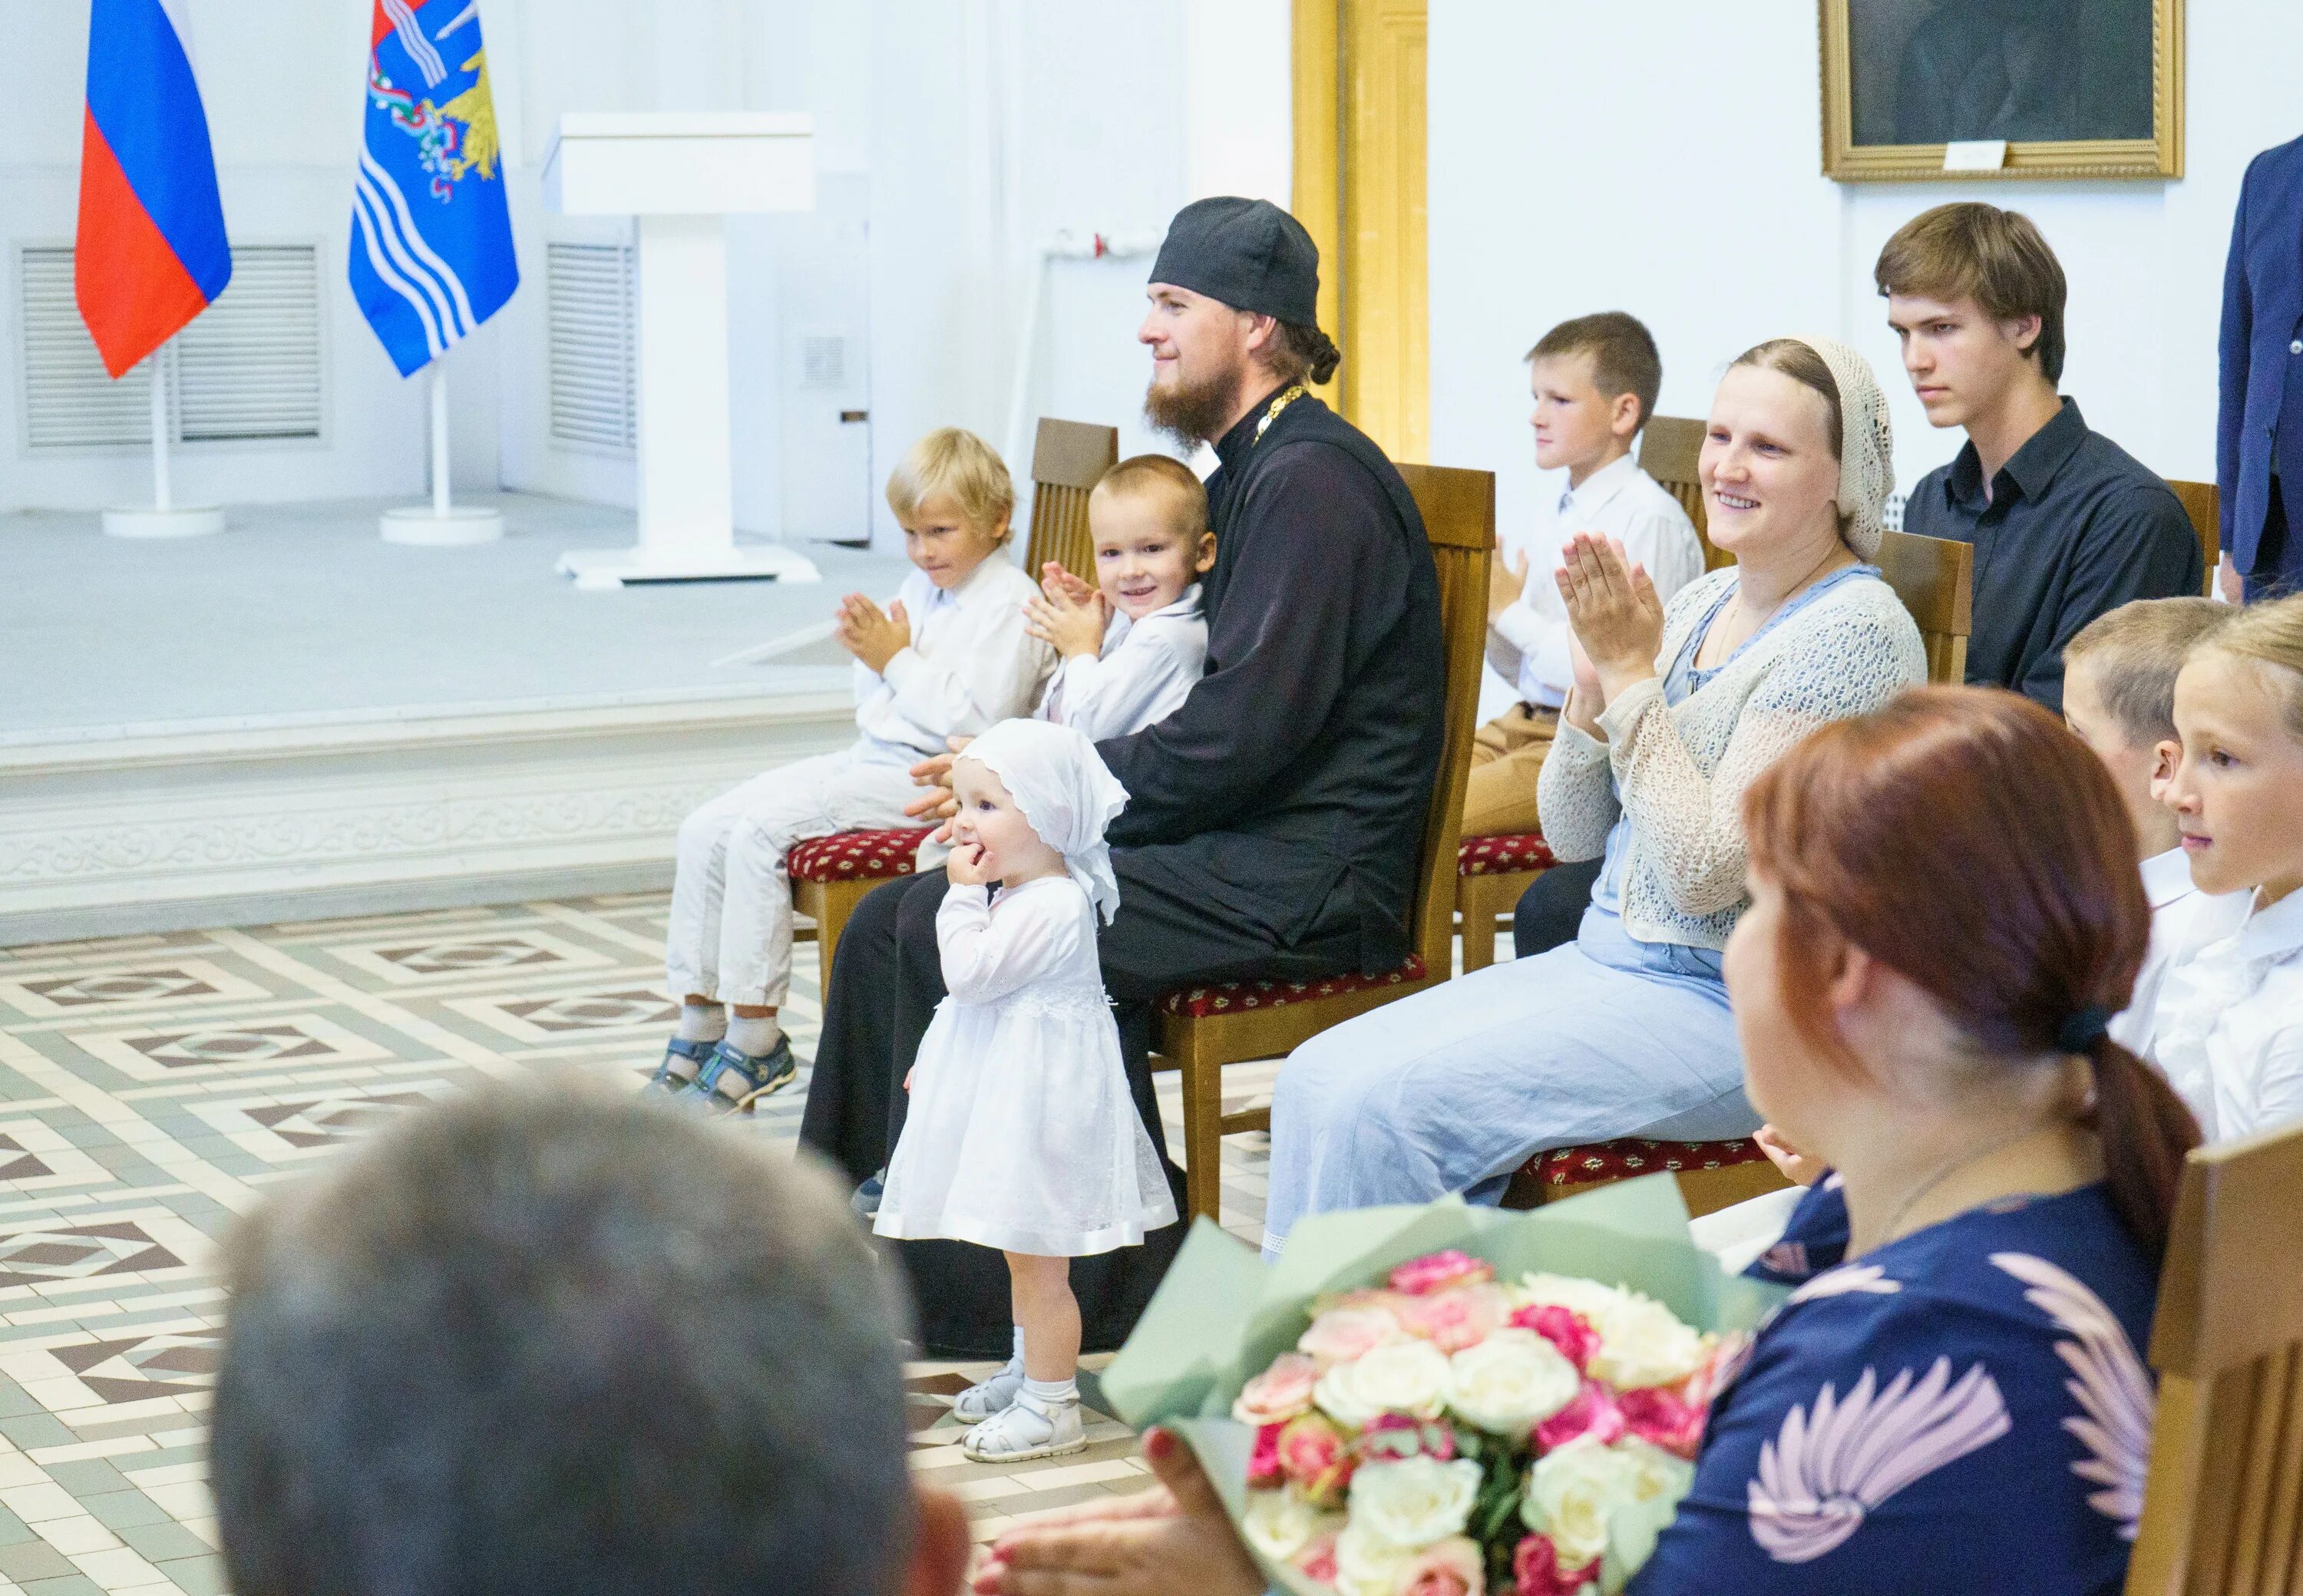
[1664,158]
[962,135]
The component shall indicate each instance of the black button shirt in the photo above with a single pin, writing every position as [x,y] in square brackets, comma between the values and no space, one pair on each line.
[2075,526]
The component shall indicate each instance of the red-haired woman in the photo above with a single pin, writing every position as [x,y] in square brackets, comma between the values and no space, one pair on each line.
[1944,916]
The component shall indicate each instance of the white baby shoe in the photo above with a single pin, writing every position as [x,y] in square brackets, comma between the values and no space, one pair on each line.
[1024,1431]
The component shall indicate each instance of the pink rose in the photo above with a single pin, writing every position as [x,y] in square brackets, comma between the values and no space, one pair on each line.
[1535,1570]
[1454,1320]
[1314,1455]
[1394,1437]
[1593,1413]
[1345,1335]
[1263,1471]
[1279,1393]
[1318,1560]
[1657,1417]
[1421,1276]
[1449,1567]
[1564,1328]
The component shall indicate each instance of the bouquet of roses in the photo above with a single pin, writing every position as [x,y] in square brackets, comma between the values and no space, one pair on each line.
[1515,1409]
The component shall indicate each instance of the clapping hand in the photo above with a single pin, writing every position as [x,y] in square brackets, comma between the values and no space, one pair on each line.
[871,636]
[1507,580]
[1061,587]
[1797,1167]
[1069,626]
[1613,608]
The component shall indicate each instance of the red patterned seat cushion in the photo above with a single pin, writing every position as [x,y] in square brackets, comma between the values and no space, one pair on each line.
[1199,1003]
[857,855]
[1504,854]
[1631,1155]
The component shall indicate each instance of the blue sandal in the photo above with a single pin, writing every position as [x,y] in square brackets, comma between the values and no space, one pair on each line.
[770,1073]
[672,1082]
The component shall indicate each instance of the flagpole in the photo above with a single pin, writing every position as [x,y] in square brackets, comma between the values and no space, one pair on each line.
[161,500]
[439,439]
[163,519]
[441,523]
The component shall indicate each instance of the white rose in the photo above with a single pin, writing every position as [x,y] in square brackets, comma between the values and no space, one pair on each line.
[1511,1382]
[1415,1501]
[1572,1493]
[1409,1377]
[1589,1298]
[1280,1524]
[1366,1565]
[1643,1343]
[1654,1482]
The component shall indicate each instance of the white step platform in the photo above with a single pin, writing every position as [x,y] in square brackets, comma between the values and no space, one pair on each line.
[295,720]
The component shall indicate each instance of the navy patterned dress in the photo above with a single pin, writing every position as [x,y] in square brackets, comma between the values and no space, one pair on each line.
[1963,1409]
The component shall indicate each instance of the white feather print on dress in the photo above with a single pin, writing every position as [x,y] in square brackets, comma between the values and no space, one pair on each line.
[1867,1278]
[2108,1382]
[1821,1476]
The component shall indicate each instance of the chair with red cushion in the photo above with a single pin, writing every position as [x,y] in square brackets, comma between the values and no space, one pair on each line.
[1711,1174]
[831,875]
[1491,875]
[1200,1029]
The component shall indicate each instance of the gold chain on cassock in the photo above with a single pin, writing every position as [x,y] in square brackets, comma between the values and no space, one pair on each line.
[1279,401]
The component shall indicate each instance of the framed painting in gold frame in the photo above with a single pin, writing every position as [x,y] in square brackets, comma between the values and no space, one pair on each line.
[2076,89]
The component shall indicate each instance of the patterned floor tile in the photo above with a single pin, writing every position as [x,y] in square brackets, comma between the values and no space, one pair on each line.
[152,1088]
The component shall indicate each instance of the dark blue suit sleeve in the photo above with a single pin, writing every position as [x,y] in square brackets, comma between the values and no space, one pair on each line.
[2238,334]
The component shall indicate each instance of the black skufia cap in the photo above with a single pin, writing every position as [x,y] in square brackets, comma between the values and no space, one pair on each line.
[1248,253]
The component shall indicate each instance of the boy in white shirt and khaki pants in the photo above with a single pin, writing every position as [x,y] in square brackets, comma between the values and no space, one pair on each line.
[1595,380]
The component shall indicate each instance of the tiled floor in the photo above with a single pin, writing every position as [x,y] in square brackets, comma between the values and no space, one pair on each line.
[152,1088]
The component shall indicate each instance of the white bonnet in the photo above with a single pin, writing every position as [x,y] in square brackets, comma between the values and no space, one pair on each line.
[1867,448]
[1062,786]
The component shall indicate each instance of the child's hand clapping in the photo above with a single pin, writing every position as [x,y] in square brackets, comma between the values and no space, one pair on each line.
[1071,627]
[874,638]
[964,868]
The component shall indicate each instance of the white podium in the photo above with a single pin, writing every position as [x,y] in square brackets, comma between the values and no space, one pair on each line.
[679,175]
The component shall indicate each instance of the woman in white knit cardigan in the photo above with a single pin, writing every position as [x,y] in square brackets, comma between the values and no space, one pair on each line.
[1625,1032]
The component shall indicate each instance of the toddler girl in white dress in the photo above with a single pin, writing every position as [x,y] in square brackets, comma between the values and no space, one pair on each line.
[1022,1135]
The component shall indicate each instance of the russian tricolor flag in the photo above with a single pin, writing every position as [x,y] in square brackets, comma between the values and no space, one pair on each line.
[151,253]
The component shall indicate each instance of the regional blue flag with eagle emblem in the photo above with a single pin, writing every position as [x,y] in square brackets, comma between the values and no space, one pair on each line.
[431,252]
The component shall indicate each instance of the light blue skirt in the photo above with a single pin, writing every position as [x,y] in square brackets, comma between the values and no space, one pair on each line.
[1454,1088]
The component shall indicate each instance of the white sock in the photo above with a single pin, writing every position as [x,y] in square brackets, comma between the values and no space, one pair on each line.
[754,1037]
[1015,1361]
[1047,1396]
[702,1022]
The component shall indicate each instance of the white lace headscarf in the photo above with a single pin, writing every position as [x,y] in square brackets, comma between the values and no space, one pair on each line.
[1060,783]
[1866,447]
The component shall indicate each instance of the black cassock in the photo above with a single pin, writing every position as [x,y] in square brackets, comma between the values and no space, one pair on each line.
[1271,831]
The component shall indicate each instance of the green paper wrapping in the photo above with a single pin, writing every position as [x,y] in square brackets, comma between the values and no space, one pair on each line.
[1222,1314]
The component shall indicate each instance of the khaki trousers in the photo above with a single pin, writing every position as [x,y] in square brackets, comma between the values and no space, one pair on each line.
[1507,755]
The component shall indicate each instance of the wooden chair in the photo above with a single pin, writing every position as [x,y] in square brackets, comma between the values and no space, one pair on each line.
[2203,504]
[2223,1503]
[1670,446]
[1199,1030]
[829,875]
[1935,576]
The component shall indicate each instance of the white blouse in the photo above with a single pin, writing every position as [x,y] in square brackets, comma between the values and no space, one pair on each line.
[2230,1028]
[970,665]
[1145,670]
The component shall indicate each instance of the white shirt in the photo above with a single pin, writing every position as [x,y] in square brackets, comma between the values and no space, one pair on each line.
[2183,920]
[970,664]
[1143,675]
[2230,1028]
[1527,645]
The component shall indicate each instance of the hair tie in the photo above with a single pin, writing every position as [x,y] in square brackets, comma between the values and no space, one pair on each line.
[2084,1029]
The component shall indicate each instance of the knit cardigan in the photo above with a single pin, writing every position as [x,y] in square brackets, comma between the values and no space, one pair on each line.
[1681,770]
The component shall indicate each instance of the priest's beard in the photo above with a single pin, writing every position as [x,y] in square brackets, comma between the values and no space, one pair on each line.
[1194,412]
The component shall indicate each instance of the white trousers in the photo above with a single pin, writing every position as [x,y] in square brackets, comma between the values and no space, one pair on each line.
[732,912]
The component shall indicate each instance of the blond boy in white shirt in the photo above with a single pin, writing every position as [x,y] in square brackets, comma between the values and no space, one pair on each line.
[2118,698]
[949,658]
[2230,1028]
[1129,648]
[1595,380]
